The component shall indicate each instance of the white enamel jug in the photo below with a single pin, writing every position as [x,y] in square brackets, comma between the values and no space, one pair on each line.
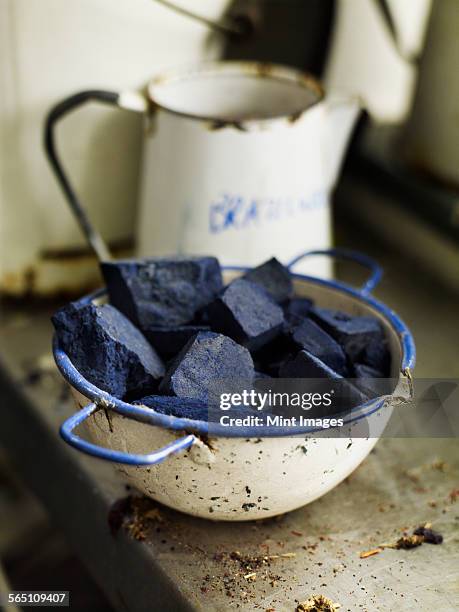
[239,161]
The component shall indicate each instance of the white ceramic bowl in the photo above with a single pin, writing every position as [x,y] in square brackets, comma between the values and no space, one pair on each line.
[249,477]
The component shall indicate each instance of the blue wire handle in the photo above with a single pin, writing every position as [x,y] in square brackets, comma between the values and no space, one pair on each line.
[153,458]
[348,254]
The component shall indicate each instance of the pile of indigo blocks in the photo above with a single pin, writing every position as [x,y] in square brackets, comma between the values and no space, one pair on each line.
[171,328]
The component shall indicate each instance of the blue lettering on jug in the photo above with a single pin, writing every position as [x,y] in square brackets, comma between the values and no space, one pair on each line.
[236,212]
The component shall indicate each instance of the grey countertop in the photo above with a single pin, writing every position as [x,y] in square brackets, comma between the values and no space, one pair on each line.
[186,563]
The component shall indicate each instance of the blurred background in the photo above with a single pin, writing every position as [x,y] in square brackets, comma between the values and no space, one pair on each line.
[397,197]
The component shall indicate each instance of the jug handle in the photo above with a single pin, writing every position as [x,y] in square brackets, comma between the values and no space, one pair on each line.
[129,100]
[157,456]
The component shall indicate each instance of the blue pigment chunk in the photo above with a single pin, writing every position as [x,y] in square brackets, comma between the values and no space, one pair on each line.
[306,365]
[107,349]
[208,363]
[272,355]
[371,381]
[274,278]
[309,336]
[246,313]
[168,341]
[363,371]
[190,408]
[176,406]
[162,292]
[353,333]
[297,309]
[376,355]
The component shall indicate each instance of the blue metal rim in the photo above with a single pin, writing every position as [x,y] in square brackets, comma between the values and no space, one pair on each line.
[149,416]
[153,458]
[350,255]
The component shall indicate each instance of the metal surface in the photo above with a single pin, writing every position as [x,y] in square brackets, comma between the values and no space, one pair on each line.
[181,565]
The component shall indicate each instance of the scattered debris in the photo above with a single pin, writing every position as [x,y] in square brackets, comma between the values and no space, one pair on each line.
[430,535]
[415,474]
[135,514]
[440,465]
[422,534]
[239,571]
[117,514]
[250,562]
[408,541]
[318,603]
[370,553]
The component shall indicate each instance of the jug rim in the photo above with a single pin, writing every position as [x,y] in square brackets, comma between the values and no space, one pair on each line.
[261,70]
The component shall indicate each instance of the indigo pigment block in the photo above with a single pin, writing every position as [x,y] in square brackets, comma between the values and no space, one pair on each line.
[309,336]
[306,365]
[189,408]
[246,313]
[353,333]
[297,309]
[162,292]
[168,341]
[176,406]
[363,371]
[376,355]
[371,381]
[262,376]
[107,349]
[274,278]
[272,355]
[207,363]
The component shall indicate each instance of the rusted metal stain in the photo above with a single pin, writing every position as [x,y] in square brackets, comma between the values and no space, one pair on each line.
[59,272]
[82,252]
[217,124]
[264,70]
[293,118]
[24,282]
